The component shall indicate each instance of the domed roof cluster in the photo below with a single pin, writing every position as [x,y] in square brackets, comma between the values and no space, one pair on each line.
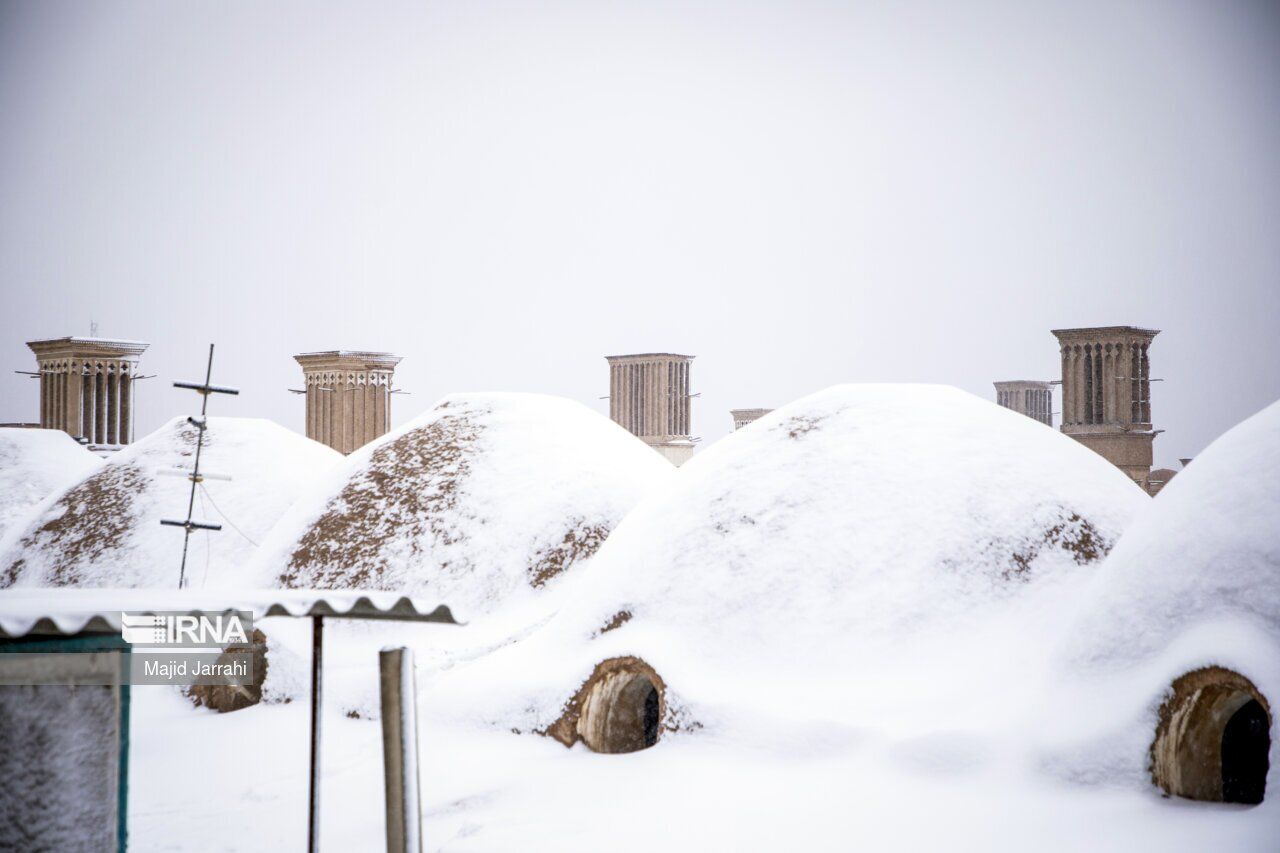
[105,531]
[849,525]
[866,554]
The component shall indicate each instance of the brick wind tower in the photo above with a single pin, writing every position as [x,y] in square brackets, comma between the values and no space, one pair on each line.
[1106,395]
[1028,397]
[743,417]
[649,396]
[86,388]
[348,396]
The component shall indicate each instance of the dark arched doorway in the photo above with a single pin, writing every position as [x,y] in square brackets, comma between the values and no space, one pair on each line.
[1245,744]
[1213,738]
[619,709]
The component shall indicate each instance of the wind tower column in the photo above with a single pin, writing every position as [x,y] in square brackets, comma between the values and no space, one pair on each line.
[348,396]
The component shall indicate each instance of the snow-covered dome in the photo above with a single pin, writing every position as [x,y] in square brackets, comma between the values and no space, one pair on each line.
[844,527]
[1209,549]
[866,511]
[482,500]
[33,464]
[105,530]
[1181,627]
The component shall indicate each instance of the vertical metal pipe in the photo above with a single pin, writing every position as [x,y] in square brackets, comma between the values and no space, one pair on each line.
[400,751]
[313,805]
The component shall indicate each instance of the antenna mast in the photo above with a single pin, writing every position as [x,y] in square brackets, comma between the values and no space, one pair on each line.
[201,424]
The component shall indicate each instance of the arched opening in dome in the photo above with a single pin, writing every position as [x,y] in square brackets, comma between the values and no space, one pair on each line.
[1245,744]
[1213,739]
[620,708]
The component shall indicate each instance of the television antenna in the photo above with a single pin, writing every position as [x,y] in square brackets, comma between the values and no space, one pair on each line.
[201,424]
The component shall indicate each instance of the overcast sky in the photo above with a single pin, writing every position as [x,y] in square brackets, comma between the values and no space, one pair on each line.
[797,193]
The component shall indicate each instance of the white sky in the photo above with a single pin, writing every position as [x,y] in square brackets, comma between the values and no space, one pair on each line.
[798,193]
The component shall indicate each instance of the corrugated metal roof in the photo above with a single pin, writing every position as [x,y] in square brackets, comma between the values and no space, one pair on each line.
[69,611]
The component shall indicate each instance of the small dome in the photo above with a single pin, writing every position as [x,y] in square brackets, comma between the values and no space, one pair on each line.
[1208,549]
[482,498]
[1175,645]
[105,530]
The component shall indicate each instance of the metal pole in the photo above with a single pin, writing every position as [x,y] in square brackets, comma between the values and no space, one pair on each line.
[400,751]
[195,471]
[313,821]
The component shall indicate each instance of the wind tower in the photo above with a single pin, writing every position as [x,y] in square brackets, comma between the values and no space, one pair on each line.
[1106,394]
[742,417]
[649,396]
[1027,397]
[348,396]
[86,388]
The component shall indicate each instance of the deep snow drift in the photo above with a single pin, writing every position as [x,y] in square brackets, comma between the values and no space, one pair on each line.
[33,464]
[105,530]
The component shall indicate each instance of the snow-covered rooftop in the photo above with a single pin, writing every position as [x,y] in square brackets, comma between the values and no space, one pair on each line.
[1208,550]
[105,530]
[857,524]
[483,499]
[33,464]
[882,616]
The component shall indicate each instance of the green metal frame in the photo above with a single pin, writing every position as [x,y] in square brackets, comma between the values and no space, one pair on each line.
[81,644]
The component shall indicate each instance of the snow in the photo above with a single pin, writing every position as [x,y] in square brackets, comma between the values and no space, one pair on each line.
[491,502]
[484,500]
[1194,582]
[829,788]
[861,528]
[105,530]
[887,617]
[1209,550]
[34,463]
